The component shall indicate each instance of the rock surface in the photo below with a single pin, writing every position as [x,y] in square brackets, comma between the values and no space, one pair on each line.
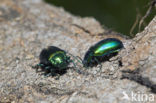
[28,26]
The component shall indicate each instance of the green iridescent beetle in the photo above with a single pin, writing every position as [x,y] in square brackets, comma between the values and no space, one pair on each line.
[53,61]
[101,51]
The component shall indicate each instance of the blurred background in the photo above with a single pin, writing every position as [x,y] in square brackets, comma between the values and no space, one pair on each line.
[117,15]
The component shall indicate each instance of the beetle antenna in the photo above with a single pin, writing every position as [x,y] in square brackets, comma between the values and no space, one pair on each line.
[78,70]
[76,57]
[38,65]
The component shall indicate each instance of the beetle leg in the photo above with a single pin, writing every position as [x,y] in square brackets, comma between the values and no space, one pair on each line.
[47,75]
[53,72]
[99,64]
[57,77]
[47,67]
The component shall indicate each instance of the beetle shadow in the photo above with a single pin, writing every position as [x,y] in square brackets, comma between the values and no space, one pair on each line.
[98,60]
[55,72]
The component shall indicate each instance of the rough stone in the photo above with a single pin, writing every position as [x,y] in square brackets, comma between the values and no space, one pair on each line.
[28,26]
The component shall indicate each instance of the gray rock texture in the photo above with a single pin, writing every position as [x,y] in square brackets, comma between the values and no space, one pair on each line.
[28,26]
